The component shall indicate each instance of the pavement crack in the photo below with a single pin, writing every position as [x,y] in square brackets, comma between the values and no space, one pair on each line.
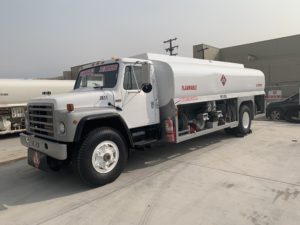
[239,173]
[100,197]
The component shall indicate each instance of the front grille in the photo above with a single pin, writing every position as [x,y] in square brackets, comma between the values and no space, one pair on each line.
[41,119]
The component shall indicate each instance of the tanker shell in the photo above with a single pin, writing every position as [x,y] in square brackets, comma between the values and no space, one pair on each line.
[201,80]
[19,91]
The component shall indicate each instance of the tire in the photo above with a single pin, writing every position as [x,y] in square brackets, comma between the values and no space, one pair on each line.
[289,117]
[244,121]
[276,114]
[232,118]
[101,157]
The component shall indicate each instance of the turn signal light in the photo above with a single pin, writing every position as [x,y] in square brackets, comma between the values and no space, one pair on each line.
[70,107]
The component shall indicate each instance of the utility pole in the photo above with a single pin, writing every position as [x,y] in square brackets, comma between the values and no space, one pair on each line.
[171,48]
[203,50]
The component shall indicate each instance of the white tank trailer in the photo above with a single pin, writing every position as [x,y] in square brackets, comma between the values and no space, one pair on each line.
[14,94]
[125,103]
[183,80]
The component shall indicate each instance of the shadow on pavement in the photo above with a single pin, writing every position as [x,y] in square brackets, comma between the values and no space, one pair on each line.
[164,152]
[22,184]
[9,136]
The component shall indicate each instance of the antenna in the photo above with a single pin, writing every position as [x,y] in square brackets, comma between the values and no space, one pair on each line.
[171,48]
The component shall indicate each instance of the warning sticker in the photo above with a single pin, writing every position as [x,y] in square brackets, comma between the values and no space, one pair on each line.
[223,80]
[108,68]
[87,72]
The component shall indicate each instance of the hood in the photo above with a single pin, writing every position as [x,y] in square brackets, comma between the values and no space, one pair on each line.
[279,103]
[80,98]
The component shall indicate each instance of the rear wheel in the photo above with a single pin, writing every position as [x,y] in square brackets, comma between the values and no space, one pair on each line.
[231,117]
[292,116]
[244,121]
[101,157]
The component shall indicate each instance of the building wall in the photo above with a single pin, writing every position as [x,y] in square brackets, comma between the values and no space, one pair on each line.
[75,70]
[203,51]
[279,59]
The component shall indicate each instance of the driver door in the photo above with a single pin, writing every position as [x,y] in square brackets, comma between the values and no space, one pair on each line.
[139,108]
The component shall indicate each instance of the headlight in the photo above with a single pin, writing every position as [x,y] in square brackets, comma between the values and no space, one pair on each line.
[61,128]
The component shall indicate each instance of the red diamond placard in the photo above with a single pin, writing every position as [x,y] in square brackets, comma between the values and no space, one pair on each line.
[223,80]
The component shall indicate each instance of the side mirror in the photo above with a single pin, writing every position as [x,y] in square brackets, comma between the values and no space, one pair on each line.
[147,87]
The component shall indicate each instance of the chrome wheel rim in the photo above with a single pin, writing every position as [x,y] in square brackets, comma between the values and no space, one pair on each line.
[275,115]
[246,120]
[105,157]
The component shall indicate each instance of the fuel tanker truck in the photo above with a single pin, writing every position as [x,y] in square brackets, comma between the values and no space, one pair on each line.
[129,103]
[14,94]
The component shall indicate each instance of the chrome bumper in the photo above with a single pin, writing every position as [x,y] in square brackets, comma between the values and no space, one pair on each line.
[55,150]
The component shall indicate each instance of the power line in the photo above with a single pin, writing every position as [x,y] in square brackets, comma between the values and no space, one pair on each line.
[171,47]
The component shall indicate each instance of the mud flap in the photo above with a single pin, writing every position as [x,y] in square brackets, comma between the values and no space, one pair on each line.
[37,160]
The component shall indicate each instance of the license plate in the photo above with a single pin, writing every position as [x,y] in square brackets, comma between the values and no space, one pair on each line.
[33,143]
[37,159]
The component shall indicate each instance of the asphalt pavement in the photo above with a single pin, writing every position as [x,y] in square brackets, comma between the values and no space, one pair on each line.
[216,179]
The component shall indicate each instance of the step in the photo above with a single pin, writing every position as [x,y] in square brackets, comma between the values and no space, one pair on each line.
[145,142]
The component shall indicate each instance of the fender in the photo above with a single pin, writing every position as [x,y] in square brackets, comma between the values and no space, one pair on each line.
[85,119]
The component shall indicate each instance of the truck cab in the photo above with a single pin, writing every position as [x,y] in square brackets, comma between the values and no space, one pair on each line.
[116,99]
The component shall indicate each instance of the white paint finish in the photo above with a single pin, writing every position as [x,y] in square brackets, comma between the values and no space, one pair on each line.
[80,98]
[105,157]
[139,108]
[20,91]
[194,99]
[17,92]
[169,76]
[215,179]
[246,120]
[174,72]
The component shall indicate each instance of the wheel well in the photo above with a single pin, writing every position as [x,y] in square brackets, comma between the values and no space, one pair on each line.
[282,112]
[113,122]
[251,107]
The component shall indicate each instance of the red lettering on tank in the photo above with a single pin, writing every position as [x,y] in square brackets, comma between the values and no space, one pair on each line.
[189,87]
[188,99]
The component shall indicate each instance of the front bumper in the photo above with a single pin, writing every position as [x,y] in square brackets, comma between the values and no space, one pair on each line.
[50,148]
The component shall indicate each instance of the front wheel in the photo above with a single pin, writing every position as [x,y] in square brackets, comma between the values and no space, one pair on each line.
[244,121]
[101,157]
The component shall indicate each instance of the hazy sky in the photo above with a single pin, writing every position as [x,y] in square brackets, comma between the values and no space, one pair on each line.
[44,37]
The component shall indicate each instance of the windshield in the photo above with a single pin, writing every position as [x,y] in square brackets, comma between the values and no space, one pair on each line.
[104,76]
[294,98]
